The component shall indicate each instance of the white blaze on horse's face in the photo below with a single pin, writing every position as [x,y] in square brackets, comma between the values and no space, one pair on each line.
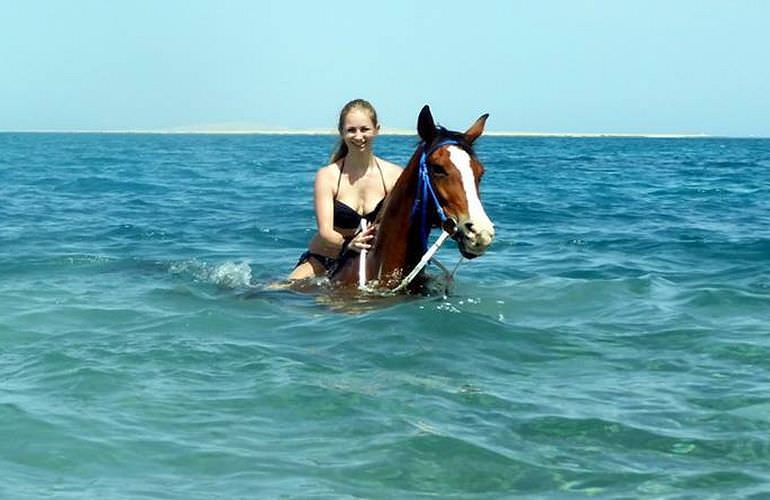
[475,227]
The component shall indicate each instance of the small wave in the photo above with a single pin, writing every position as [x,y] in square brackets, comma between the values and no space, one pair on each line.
[737,164]
[225,275]
[712,298]
[136,232]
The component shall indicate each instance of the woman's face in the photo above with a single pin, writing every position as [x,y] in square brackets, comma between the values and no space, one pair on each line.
[358,130]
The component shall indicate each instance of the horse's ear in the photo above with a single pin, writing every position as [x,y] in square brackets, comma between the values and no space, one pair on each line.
[477,128]
[426,127]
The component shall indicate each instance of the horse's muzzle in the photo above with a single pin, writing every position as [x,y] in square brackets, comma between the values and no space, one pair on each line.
[472,241]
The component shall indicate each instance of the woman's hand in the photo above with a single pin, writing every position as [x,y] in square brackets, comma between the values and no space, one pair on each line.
[363,239]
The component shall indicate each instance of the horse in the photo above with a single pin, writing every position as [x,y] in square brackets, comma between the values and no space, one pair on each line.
[438,187]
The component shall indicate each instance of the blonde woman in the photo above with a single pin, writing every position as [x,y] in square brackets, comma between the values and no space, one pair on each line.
[353,186]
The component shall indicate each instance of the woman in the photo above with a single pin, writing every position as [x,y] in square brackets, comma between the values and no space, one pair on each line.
[350,188]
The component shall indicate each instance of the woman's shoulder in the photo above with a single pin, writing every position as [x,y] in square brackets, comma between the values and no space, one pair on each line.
[390,171]
[389,167]
[330,171]
[326,178]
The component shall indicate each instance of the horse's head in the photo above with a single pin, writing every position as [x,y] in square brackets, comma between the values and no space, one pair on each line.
[455,173]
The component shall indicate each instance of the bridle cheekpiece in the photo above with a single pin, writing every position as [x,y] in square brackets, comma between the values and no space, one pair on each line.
[426,198]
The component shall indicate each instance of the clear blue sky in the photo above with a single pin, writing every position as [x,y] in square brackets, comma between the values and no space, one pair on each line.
[649,66]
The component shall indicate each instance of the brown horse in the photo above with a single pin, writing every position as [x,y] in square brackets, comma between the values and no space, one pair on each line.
[438,187]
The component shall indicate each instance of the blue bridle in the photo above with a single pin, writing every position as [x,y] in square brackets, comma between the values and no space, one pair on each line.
[426,198]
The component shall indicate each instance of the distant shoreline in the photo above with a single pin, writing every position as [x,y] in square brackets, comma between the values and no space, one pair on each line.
[385,132]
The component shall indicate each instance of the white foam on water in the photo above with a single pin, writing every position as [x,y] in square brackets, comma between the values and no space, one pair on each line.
[225,275]
[231,275]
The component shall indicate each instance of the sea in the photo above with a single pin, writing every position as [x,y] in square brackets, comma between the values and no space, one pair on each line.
[613,342]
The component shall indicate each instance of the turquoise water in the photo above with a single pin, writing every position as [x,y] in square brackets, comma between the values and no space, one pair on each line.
[613,343]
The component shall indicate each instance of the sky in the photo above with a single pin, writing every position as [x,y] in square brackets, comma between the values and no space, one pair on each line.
[572,66]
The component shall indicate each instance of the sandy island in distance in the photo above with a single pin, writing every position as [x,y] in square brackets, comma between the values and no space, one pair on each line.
[259,129]
[252,128]
[405,132]
[385,132]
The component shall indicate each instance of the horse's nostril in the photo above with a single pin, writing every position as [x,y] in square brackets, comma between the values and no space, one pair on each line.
[469,227]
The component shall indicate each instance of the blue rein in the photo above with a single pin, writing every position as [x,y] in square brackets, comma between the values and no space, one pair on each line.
[426,199]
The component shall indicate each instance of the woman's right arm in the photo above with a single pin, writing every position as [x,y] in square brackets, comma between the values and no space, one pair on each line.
[330,240]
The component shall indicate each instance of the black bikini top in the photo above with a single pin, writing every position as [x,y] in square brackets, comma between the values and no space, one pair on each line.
[347,218]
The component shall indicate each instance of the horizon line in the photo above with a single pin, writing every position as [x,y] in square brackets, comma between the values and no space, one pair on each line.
[385,132]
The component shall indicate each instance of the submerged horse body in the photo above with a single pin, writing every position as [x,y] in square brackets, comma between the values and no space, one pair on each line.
[438,187]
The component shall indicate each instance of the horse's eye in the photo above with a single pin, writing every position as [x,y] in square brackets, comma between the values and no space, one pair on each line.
[437,169]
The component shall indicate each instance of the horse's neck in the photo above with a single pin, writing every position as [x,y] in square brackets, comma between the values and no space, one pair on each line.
[395,253]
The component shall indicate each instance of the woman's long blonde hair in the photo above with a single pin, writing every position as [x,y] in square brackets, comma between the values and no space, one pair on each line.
[341,150]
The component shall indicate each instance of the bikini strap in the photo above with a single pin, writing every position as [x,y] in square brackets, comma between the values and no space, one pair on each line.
[382,176]
[342,166]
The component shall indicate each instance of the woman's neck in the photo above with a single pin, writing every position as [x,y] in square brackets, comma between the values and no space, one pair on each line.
[359,160]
